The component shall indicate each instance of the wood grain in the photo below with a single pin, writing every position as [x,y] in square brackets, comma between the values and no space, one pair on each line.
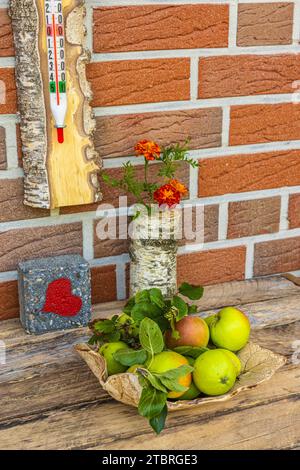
[51,400]
[267,410]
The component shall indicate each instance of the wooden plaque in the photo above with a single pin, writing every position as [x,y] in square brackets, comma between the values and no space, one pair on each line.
[56,174]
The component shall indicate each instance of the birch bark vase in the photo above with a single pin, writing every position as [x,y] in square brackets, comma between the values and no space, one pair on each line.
[153,251]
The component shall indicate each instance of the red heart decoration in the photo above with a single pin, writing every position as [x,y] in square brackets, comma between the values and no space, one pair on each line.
[60,300]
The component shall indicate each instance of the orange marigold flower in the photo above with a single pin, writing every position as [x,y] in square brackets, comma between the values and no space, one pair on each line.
[150,150]
[180,187]
[167,194]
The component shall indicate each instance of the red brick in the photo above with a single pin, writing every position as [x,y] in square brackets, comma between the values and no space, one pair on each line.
[116,136]
[9,305]
[104,284]
[111,247]
[240,173]
[8,94]
[79,208]
[139,81]
[209,230]
[264,123]
[265,24]
[212,267]
[22,244]
[277,256]
[147,27]
[245,75]
[257,217]
[6,37]
[11,202]
[2,149]
[294,211]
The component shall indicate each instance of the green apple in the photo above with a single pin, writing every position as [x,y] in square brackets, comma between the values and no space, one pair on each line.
[230,329]
[168,360]
[233,357]
[107,351]
[214,373]
[192,393]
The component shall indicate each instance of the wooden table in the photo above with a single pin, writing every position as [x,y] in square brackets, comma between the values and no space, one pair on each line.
[51,400]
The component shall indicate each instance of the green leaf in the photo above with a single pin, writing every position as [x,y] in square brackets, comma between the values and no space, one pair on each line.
[192,309]
[104,326]
[181,307]
[158,422]
[156,297]
[190,291]
[170,378]
[129,305]
[152,402]
[152,379]
[151,337]
[191,351]
[145,309]
[113,337]
[142,296]
[129,357]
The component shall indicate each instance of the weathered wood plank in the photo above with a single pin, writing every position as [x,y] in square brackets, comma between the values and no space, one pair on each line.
[264,412]
[230,293]
[58,384]
[50,399]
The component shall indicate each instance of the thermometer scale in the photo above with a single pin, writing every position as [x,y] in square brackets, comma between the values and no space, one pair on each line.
[56,64]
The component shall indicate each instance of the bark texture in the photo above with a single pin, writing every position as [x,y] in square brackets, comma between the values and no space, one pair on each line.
[153,252]
[55,175]
[25,23]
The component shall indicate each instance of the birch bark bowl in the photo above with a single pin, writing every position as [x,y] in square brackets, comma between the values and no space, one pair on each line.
[258,366]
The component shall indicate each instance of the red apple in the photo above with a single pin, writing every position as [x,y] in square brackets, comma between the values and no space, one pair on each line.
[193,331]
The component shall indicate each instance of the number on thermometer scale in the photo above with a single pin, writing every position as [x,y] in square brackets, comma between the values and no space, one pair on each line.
[56,63]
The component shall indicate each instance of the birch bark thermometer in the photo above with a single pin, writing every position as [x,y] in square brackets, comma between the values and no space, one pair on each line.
[56,120]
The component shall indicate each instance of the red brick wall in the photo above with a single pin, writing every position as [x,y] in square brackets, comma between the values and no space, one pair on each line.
[223,74]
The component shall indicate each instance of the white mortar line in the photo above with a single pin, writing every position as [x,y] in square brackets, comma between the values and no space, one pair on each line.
[240,241]
[249,265]
[11,146]
[9,276]
[89,26]
[11,174]
[223,221]
[108,260]
[194,78]
[168,2]
[88,239]
[7,62]
[8,119]
[284,212]
[193,184]
[245,196]
[121,281]
[197,104]
[225,125]
[233,22]
[195,53]
[296,23]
